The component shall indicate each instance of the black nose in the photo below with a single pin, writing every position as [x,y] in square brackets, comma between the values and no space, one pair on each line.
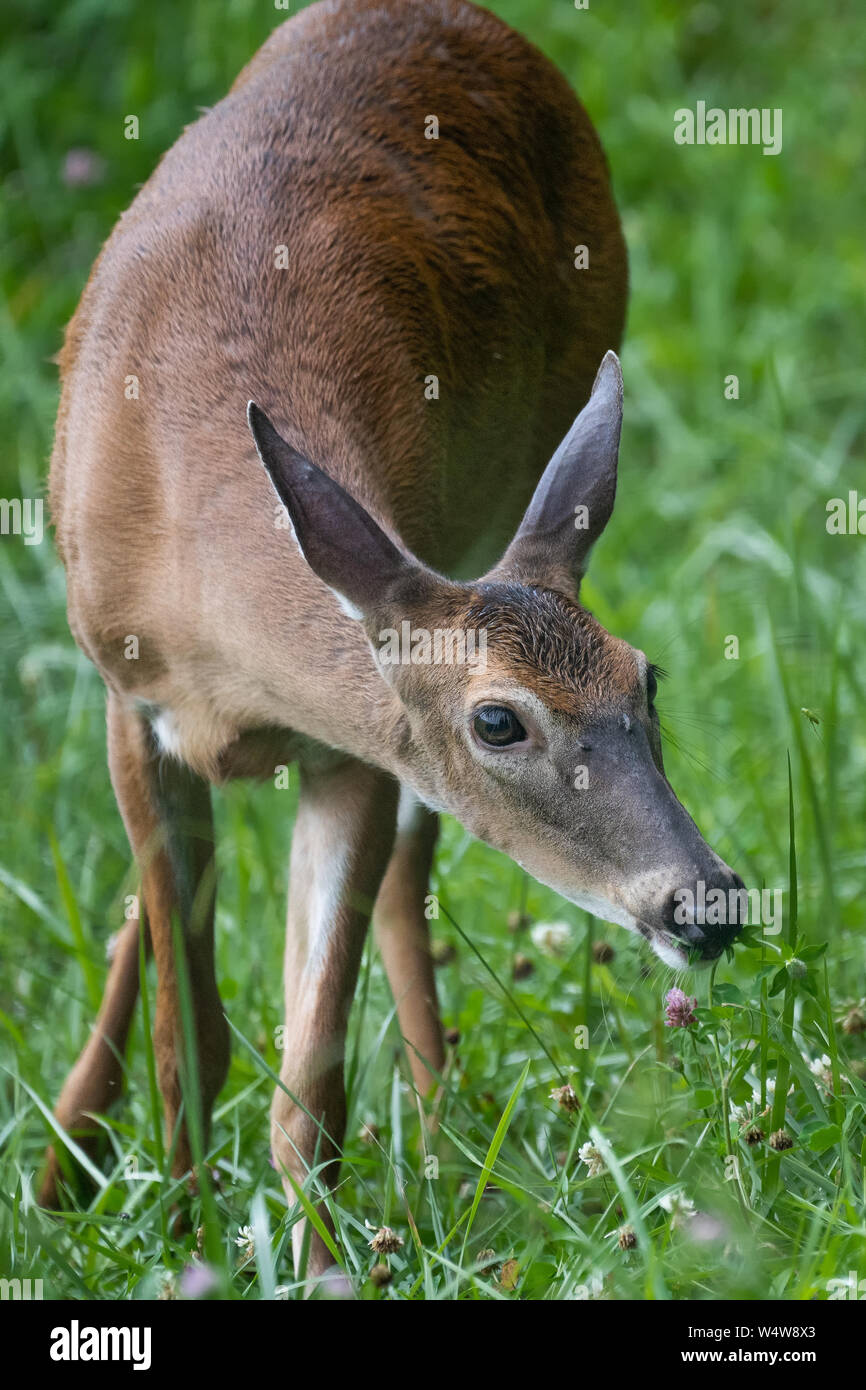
[709,913]
[737,913]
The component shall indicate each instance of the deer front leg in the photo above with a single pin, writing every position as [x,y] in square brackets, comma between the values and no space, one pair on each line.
[342,837]
[95,1081]
[167,813]
[403,936]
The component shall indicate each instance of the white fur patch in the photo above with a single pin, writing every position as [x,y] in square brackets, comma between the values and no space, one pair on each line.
[349,608]
[166,733]
[409,813]
[325,897]
[667,953]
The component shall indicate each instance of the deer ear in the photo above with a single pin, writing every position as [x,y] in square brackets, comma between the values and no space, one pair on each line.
[574,499]
[339,540]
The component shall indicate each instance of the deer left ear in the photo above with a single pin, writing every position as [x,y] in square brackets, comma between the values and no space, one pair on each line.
[337,537]
[574,499]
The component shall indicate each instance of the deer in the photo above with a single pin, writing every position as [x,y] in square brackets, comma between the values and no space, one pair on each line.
[336,361]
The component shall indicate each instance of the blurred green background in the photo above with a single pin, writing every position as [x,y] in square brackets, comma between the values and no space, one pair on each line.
[741,264]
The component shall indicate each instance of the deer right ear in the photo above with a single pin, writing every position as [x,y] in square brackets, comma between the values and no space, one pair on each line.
[339,540]
[574,498]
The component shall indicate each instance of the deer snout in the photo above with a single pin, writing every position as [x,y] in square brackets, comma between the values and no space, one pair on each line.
[708,913]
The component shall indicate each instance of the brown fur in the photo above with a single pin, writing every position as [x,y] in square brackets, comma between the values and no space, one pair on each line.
[553,645]
[407,257]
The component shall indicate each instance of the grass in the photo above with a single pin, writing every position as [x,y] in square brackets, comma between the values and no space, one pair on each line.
[741,264]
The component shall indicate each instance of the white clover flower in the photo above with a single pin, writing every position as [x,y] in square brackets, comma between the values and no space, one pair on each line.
[592,1157]
[593,1290]
[566,1097]
[678,1205]
[246,1241]
[822,1070]
[551,937]
[771,1091]
[385,1241]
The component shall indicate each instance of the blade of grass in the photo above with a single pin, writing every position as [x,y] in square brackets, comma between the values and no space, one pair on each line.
[81,938]
[191,1090]
[783,1069]
[493,1153]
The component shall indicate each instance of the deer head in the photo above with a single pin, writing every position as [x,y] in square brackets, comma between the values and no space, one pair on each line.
[544,739]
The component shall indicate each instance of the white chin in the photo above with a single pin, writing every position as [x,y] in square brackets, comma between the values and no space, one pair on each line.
[671,955]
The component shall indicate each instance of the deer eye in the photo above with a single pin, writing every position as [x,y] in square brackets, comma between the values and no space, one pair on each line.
[654,674]
[497,726]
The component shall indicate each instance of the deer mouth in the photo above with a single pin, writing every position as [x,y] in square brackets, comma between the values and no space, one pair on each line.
[694,926]
[668,949]
[679,954]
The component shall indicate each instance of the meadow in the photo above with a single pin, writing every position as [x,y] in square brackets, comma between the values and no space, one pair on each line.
[724,1159]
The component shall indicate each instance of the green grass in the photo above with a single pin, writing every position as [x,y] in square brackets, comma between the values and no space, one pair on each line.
[740,264]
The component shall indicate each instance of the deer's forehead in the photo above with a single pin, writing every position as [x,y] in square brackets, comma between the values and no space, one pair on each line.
[554,647]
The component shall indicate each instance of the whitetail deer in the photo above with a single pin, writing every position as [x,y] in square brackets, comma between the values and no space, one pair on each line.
[305,246]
